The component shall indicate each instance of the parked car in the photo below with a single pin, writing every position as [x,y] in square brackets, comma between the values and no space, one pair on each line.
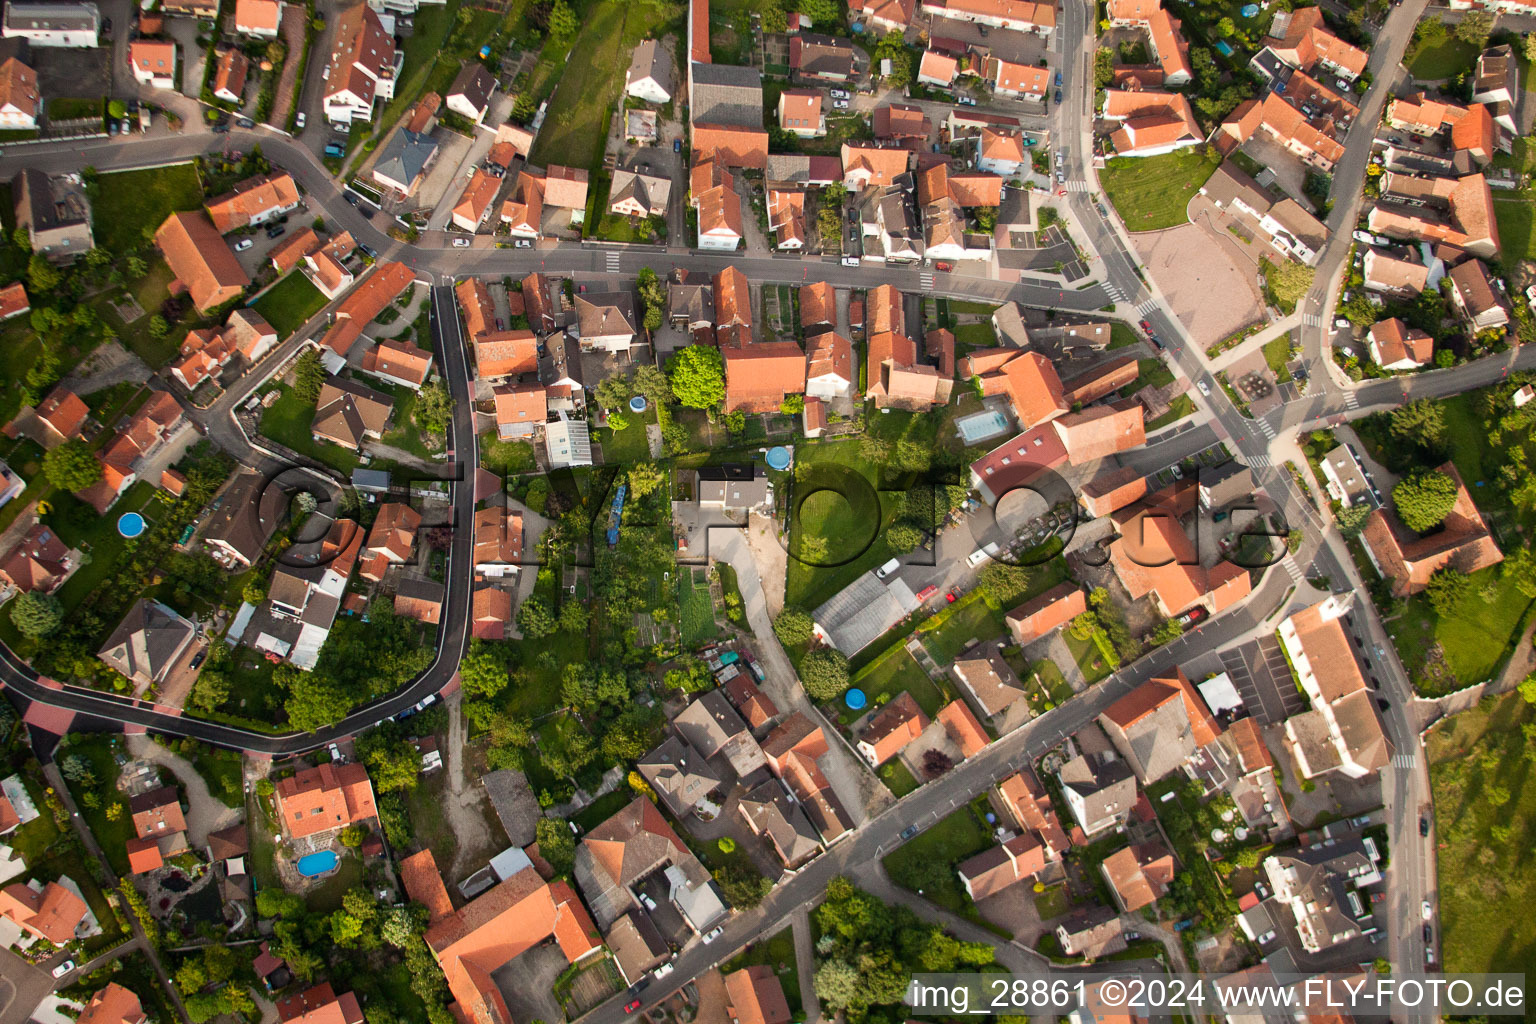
[223,126]
[523,243]
[952,596]
[243,244]
[1427,910]
[245,122]
[888,568]
[944,266]
[711,936]
[632,1006]
[275,231]
[325,74]
[366,211]
[650,904]
[198,658]
[677,145]
[965,101]
[461,243]
[106,26]
[63,968]
[908,832]
[1146,326]
[335,752]
[1058,80]
[298,123]
[332,149]
[1424,825]
[841,94]
[1058,96]
[1192,616]
[850,261]
[839,104]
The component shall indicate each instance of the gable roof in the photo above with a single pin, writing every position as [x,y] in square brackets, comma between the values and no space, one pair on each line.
[201,260]
[891,728]
[18,87]
[323,798]
[399,359]
[754,995]
[963,728]
[1044,612]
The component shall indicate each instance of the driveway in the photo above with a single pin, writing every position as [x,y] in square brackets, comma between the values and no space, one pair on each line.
[527,983]
[205,812]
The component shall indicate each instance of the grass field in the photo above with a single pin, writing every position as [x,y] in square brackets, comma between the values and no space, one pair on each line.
[927,861]
[1514,218]
[128,206]
[698,613]
[1150,373]
[1445,59]
[1088,657]
[1277,353]
[1485,814]
[113,835]
[887,677]
[287,421]
[1153,192]
[978,335]
[897,778]
[221,770]
[290,303]
[838,506]
[1474,638]
[577,122]
[956,626]
[630,444]
[506,457]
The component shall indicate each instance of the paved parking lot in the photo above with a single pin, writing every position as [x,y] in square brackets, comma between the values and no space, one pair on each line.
[1263,679]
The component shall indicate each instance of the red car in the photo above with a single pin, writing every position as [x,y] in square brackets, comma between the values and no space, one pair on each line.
[632,1006]
[941,265]
[1146,326]
[952,596]
[926,593]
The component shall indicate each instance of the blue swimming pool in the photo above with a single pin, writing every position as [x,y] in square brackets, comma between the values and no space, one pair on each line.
[979,426]
[318,863]
[1224,48]
[130,524]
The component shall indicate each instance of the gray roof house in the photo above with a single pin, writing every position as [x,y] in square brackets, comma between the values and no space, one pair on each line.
[606,321]
[147,642]
[1100,792]
[55,212]
[637,946]
[711,726]
[735,488]
[680,775]
[244,517]
[769,811]
[650,76]
[404,160]
[1225,484]
[470,94]
[727,94]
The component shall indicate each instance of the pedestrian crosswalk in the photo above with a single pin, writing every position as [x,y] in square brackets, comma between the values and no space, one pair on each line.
[1312,320]
[612,257]
[1351,400]
[1265,428]
[1147,308]
[1293,569]
[1077,186]
[1113,292]
[1405,760]
[1259,461]
[926,280]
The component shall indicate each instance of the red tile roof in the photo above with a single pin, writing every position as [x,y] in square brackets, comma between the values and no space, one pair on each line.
[328,797]
[963,728]
[1045,612]
[203,263]
[52,914]
[251,198]
[366,302]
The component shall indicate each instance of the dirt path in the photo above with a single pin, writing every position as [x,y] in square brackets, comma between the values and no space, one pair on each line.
[805,966]
[771,558]
[206,813]
[463,804]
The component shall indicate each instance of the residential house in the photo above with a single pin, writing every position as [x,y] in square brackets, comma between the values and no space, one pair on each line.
[759,376]
[1461,542]
[1496,85]
[635,193]
[498,541]
[1479,297]
[1398,278]
[650,76]
[1099,792]
[800,169]
[820,58]
[1021,798]
[1003,866]
[521,409]
[55,212]
[800,113]
[732,487]
[1396,346]
[616,856]
[259,18]
[1109,492]
[681,776]
[1346,479]
[59,417]
[61,24]
[944,197]
[637,947]
[1017,462]
[1138,875]
[253,202]
[606,321]
[902,122]
[366,302]
[1300,38]
[883,16]
[405,160]
[565,385]
[993,687]
[505,353]
[1151,122]
[420,599]
[870,165]
[713,195]
[475,201]
[937,68]
[470,94]
[153,62]
[895,378]
[1028,82]
[306,592]
[14,301]
[888,223]
[828,365]
[391,540]
[1001,151]
[20,99]
[964,731]
[1320,885]
[229,75]
[794,750]
[1284,117]
[770,812]
[711,726]
[731,145]
[38,563]
[289,253]
[324,267]
[320,1005]
[495,928]
[1046,612]
[1225,485]
[754,995]
[150,640]
[325,799]
[204,353]
[1457,211]
[1164,36]
[244,517]
[1019,15]
[1343,732]
[891,728]
[149,428]
[53,912]
[490,612]
[348,413]
[1159,725]
[399,362]
[363,66]
[1092,934]
[204,265]
[113,1004]
[786,218]
[1153,555]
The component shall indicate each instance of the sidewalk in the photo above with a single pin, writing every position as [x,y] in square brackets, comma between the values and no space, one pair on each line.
[805,965]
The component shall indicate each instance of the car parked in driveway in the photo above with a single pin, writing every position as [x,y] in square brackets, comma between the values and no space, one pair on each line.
[461,243]
[63,968]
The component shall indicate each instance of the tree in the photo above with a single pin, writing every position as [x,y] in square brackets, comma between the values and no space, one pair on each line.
[645,478]
[1226,28]
[434,407]
[821,12]
[1423,499]
[1445,590]
[613,392]
[393,763]
[1103,67]
[308,376]
[21,238]
[211,688]
[1527,689]
[315,700]
[1530,48]
[254,591]
[774,19]
[893,47]
[42,275]
[726,844]
[1419,424]
[652,382]
[1350,519]
[903,537]
[936,763]
[71,466]
[573,618]
[36,615]
[482,672]
[401,925]
[743,886]
[824,674]
[697,376]
[1474,28]
[793,626]
[617,421]
[556,844]
[562,20]
[793,405]
[535,619]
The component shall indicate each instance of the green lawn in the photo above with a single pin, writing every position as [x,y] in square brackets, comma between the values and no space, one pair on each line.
[894,672]
[113,835]
[19,348]
[1180,407]
[926,862]
[1153,192]
[953,629]
[576,123]
[1277,352]
[1150,373]
[836,501]
[1485,816]
[78,525]
[698,613]
[978,335]
[288,420]
[972,306]
[290,303]
[222,771]
[603,808]
[1090,661]
[1055,902]
[506,458]
[127,206]
[1121,336]
[897,777]
[1445,59]
[1514,218]
[1475,638]
[630,444]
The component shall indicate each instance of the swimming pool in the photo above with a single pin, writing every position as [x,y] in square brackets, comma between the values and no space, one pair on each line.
[318,863]
[979,426]
[1224,48]
[130,524]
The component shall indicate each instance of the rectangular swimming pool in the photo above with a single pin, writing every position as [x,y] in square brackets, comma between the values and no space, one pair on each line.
[979,426]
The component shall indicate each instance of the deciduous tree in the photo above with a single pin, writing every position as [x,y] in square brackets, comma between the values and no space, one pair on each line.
[1423,499]
[71,466]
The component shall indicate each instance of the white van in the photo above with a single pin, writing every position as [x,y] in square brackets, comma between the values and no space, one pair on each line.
[980,555]
[888,568]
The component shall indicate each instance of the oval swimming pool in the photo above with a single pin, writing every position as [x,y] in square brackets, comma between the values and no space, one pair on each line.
[318,863]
